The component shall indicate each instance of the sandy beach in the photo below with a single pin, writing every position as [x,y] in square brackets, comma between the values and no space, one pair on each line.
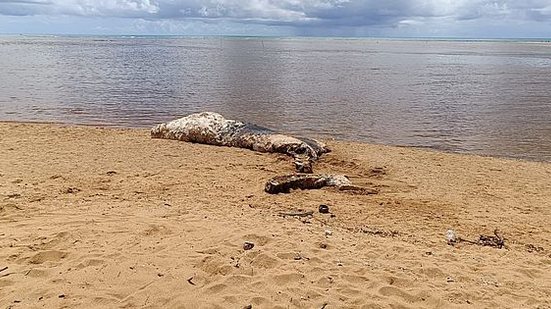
[109,218]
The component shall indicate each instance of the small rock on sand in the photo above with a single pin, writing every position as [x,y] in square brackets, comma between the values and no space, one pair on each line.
[248,245]
[324,209]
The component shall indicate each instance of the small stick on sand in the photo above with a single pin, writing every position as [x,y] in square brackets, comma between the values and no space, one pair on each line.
[297,214]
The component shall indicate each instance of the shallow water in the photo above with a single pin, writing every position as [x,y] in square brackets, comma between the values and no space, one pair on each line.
[483,97]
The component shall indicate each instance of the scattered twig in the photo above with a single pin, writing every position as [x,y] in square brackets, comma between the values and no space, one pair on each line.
[459,239]
[358,190]
[2,269]
[378,232]
[296,214]
[189,280]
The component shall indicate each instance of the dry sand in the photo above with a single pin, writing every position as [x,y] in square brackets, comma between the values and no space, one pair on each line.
[95,217]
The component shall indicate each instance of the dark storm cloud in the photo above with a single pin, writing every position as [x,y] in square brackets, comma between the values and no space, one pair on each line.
[297,13]
[25,2]
[24,7]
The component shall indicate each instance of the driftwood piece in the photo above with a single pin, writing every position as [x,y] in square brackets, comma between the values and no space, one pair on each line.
[214,129]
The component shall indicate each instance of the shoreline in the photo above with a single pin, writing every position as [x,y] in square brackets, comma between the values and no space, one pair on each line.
[321,138]
[103,217]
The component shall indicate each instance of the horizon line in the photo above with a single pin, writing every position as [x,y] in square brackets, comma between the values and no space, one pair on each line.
[279,36]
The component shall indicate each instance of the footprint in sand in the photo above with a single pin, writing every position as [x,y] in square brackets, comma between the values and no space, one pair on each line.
[264,261]
[355,279]
[48,256]
[37,273]
[238,280]
[350,292]
[431,272]
[287,255]
[156,230]
[90,263]
[393,291]
[257,239]
[6,282]
[217,288]
[259,301]
[325,282]
[287,278]
[215,265]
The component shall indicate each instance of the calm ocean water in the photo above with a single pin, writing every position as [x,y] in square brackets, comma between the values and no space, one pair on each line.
[483,97]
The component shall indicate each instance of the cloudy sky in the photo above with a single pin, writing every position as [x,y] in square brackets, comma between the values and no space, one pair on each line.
[393,18]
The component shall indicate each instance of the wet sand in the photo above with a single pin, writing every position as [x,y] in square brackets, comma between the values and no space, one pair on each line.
[106,218]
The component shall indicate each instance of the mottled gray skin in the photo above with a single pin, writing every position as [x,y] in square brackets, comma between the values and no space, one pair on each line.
[284,184]
[214,129]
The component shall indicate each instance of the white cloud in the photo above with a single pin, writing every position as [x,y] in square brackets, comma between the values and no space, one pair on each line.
[301,14]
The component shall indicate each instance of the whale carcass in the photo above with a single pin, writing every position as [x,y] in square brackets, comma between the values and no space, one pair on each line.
[214,129]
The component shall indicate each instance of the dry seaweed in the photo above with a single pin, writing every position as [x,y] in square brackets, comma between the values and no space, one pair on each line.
[497,240]
[378,232]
